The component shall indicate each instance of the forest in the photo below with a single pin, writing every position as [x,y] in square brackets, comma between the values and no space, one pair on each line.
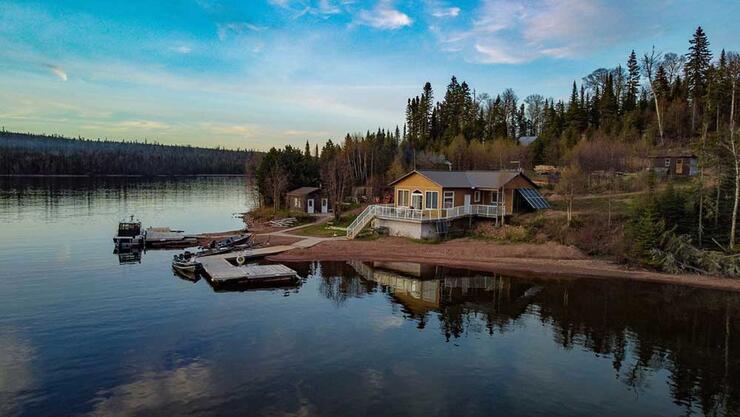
[611,122]
[31,154]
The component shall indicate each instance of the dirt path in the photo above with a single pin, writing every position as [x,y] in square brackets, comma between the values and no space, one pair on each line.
[549,260]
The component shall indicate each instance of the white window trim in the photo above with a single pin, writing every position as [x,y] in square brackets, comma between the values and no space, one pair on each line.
[421,197]
[476,196]
[667,162]
[445,196]
[398,197]
[494,193]
[426,202]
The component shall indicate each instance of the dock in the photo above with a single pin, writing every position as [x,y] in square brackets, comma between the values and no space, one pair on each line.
[220,271]
[163,237]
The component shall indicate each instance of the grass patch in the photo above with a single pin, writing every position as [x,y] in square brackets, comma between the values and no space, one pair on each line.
[330,229]
[265,214]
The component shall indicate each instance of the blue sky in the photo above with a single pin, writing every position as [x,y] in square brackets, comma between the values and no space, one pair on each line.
[261,73]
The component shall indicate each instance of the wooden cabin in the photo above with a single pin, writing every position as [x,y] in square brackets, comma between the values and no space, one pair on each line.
[428,203]
[675,164]
[310,200]
[439,190]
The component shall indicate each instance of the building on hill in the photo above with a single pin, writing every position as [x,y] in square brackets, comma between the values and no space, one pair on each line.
[675,164]
[310,200]
[426,203]
[527,140]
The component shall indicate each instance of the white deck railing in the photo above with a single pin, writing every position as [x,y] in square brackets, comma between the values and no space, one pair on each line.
[390,212]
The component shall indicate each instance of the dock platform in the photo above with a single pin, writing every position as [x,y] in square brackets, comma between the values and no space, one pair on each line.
[221,271]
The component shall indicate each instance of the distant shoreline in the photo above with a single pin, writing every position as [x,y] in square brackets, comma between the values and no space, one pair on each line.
[116,176]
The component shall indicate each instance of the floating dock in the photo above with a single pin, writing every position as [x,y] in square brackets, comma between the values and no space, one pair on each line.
[221,271]
[163,237]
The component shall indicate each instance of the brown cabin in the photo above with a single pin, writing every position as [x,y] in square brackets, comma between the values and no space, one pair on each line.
[675,164]
[310,200]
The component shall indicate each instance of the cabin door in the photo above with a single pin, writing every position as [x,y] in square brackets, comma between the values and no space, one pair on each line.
[679,166]
[416,200]
[324,205]
[466,202]
[310,205]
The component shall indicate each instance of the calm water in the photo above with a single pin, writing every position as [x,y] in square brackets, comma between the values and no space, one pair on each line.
[81,333]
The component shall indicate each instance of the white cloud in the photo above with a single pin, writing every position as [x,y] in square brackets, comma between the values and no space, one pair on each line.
[58,71]
[327,7]
[497,54]
[236,28]
[513,32]
[182,49]
[446,12]
[384,16]
[142,124]
[320,8]
[306,133]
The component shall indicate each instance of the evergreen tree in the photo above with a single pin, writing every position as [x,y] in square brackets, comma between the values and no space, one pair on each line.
[608,107]
[697,66]
[633,82]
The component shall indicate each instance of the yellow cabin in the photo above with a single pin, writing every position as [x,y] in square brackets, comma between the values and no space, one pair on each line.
[426,203]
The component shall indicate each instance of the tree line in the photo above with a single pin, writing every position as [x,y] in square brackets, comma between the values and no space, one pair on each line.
[33,154]
[612,120]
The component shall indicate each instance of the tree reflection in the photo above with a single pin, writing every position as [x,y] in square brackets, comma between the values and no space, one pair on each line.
[643,328]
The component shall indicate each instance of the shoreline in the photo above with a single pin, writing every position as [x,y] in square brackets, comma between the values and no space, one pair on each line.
[550,260]
[116,175]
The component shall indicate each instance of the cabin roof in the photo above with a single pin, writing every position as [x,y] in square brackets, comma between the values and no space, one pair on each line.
[527,140]
[467,179]
[303,191]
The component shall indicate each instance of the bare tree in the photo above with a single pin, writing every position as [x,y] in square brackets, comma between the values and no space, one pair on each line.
[335,177]
[571,182]
[535,111]
[733,70]
[673,65]
[650,64]
[277,182]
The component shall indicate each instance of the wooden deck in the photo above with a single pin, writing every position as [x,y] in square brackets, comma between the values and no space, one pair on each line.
[219,271]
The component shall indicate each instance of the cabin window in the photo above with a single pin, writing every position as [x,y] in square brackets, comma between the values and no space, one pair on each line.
[432,200]
[667,162]
[403,198]
[416,198]
[476,197]
[494,197]
[449,199]
[296,202]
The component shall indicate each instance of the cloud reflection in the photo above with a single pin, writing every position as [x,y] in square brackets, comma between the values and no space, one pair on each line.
[174,389]
[16,374]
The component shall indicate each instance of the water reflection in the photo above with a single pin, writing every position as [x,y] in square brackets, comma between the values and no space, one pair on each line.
[644,329]
[16,374]
[176,390]
[80,334]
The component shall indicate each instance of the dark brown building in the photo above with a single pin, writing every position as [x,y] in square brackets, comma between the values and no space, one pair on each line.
[308,199]
[675,164]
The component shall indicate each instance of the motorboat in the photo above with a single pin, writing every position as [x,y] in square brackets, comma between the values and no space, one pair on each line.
[185,264]
[129,234]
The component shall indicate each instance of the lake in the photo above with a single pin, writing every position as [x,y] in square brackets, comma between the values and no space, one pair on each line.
[84,332]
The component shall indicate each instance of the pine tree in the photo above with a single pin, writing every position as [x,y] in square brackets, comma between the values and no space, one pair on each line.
[633,82]
[697,66]
[608,107]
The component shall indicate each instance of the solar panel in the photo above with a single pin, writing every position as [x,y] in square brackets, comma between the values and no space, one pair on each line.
[534,198]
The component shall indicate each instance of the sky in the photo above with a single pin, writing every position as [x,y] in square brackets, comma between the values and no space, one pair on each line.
[261,73]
